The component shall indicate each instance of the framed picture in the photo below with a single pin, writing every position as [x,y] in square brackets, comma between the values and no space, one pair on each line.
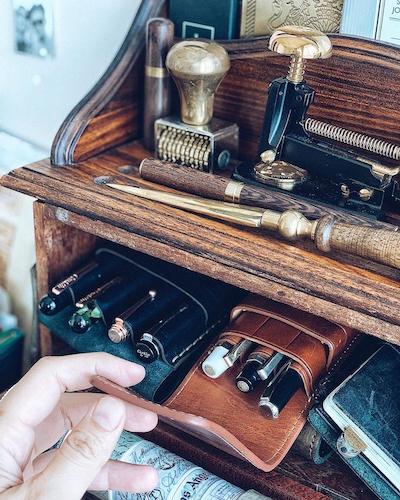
[33,20]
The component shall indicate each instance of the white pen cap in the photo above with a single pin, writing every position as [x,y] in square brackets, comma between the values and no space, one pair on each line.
[215,365]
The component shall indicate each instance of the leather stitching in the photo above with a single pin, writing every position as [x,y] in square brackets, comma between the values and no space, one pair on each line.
[340,357]
[290,432]
[312,444]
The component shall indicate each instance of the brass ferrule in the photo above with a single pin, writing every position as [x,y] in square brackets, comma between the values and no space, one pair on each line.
[232,191]
[155,72]
[290,224]
[118,332]
[270,220]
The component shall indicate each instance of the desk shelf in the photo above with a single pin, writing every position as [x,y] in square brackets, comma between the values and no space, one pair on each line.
[357,88]
[351,290]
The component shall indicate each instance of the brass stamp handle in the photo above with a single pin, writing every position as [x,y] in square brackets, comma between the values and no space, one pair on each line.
[300,43]
[375,244]
[197,68]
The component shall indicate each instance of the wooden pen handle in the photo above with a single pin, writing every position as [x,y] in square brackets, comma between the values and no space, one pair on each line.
[379,245]
[159,39]
[217,187]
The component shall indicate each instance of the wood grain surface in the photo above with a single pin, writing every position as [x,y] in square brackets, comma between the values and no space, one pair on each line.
[357,88]
[362,294]
[59,249]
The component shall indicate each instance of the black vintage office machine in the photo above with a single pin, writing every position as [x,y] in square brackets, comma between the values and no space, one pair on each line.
[196,139]
[294,157]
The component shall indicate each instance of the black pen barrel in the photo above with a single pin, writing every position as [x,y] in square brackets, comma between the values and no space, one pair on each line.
[277,395]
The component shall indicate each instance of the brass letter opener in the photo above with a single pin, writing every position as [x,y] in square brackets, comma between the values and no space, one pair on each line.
[327,233]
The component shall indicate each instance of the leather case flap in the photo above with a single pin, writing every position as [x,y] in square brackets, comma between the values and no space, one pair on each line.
[241,431]
[334,336]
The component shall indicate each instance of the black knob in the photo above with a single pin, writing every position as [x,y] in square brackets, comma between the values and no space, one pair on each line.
[48,305]
[79,323]
[248,378]
[147,351]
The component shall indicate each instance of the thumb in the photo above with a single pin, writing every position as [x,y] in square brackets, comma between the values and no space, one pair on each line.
[85,451]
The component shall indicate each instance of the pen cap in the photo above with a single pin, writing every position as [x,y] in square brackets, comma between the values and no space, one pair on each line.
[124,295]
[166,300]
[275,397]
[176,336]
[159,39]
[79,284]
[248,378]
[50,304]
[214,365]
[107,267]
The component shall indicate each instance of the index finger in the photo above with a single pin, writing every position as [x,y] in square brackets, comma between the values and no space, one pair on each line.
[34,397]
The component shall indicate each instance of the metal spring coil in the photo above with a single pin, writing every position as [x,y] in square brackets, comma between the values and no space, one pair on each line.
[184,147]
[352,138]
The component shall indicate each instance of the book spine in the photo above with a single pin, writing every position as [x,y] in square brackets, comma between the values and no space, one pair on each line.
[361,17]
[389,24]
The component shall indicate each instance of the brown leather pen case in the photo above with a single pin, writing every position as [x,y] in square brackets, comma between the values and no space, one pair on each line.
[215,411]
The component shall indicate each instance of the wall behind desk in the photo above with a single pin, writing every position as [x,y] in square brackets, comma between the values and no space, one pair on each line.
[37,94]
[35,97]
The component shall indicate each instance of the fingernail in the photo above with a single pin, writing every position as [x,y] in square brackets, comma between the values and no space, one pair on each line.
[108,413]
[141,369]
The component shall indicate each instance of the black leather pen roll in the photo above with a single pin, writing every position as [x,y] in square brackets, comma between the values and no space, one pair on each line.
[159,39]
[113,301]
[276,396]
[80,283]
[166,299]
[174,337]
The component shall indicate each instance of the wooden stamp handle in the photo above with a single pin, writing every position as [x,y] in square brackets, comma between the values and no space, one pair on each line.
[183,178]
[375,244]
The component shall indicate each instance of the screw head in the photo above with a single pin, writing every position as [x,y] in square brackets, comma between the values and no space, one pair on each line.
[365,194]
[344,189]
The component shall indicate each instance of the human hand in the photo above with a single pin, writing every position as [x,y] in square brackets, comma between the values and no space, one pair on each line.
[37,412]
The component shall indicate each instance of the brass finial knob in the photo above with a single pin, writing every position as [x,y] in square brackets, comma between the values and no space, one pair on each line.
[300,43]
[197,68]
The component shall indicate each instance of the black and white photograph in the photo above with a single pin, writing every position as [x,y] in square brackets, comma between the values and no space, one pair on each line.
[34,27]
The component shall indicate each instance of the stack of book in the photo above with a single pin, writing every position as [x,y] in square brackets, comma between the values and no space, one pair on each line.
[226,19]
[378,19]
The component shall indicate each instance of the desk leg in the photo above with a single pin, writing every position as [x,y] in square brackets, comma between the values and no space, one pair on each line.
[59,249]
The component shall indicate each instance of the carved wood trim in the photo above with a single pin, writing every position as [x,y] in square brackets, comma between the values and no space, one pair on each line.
[104,113]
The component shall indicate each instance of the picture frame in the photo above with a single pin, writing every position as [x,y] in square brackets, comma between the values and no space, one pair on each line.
[34,27]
